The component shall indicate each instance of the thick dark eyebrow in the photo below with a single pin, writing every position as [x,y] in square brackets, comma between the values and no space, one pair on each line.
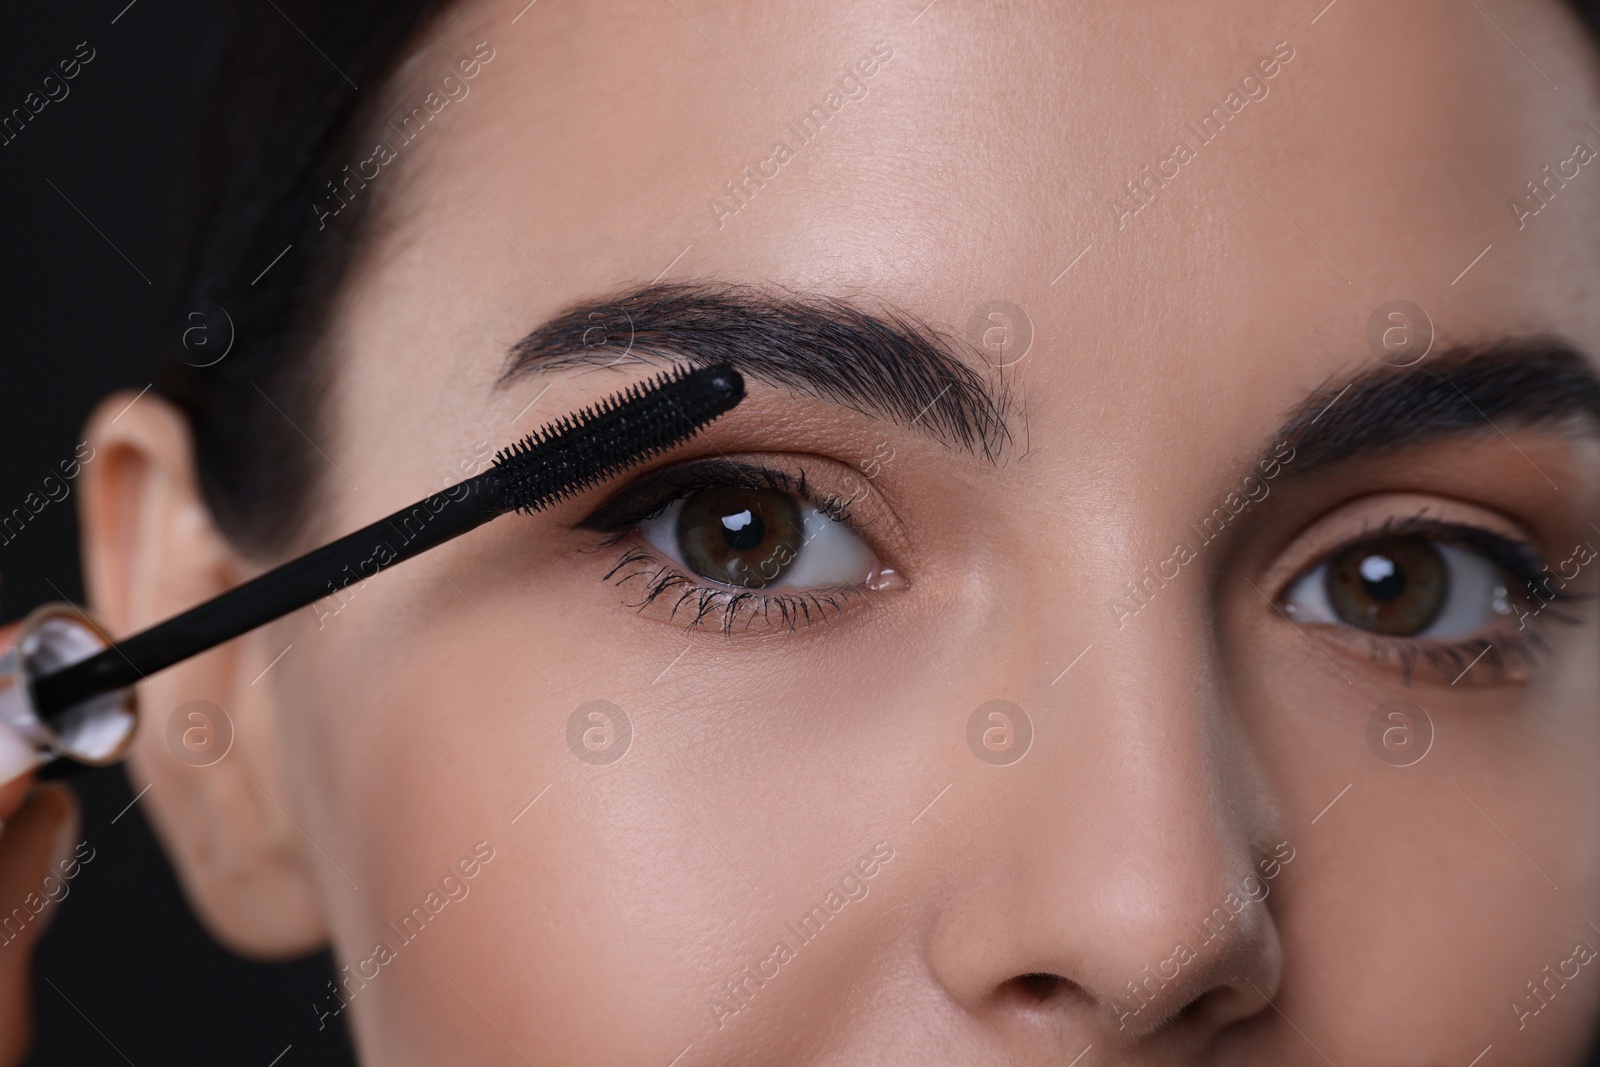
[1500,386]
[883,365]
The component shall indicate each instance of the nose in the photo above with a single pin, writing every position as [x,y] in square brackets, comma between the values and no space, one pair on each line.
[1116,885]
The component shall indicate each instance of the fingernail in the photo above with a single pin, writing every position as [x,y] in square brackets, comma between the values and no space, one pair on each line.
[17,757]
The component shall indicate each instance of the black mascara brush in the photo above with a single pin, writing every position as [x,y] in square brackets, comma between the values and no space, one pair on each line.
[78,706]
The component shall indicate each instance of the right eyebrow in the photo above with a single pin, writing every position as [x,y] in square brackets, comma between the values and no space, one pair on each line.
[887,366]
[1506,384]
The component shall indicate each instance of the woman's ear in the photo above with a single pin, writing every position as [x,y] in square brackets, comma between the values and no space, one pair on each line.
[151,550]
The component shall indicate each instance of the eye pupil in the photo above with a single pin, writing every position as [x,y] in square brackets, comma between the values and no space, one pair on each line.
[743,531]
[1394,586]
[1381,578]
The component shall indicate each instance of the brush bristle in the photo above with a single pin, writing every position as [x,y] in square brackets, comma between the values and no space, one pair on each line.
[581,450]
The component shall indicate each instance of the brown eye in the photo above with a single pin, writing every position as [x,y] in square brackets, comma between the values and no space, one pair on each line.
[740,537]
[1395,586]
[760,537]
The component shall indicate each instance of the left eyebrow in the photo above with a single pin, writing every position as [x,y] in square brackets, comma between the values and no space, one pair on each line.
[1506,384]
[887,366]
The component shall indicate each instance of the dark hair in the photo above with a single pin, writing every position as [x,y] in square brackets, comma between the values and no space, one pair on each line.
[283,116]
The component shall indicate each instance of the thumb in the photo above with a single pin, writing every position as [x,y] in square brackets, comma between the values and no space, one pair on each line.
[40,833]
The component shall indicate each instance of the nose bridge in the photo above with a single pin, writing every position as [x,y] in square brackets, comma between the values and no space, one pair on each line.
[1146,728]
[1139,875]
[1151,754]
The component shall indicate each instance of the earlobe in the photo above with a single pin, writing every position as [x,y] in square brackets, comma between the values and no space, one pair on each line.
[150,550]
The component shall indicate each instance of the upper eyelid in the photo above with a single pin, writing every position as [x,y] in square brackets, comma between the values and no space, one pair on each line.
[656,489]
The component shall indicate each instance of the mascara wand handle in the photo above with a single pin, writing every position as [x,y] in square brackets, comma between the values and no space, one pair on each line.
[295,584]
[572,455]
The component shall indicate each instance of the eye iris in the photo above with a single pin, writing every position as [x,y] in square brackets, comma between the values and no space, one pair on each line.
[1394,586]
[742,537]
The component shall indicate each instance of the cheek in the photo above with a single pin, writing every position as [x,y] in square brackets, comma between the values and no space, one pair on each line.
[653,871]
[1436,881]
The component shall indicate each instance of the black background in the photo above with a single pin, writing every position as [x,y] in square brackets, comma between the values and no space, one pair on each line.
[124,974]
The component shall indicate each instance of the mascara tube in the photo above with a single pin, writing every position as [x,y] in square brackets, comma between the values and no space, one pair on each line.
[95,732]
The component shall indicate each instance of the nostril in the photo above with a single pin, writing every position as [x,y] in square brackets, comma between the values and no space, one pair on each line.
[1040,987]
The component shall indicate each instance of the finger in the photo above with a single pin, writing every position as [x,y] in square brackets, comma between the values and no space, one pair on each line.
[17,760]
[33,841]
[17,756]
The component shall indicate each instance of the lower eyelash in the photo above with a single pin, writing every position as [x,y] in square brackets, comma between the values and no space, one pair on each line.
[1461,660]
[725,607]
[1457,661]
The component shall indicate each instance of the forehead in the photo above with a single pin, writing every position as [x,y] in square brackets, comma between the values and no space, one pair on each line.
[1229,189]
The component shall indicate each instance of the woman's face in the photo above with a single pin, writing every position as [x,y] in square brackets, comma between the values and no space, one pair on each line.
[1136,725]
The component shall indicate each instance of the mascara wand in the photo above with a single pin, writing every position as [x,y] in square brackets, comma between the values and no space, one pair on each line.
[65,686]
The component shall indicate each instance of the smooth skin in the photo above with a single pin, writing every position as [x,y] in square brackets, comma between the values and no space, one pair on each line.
[1180,754]
[40,828]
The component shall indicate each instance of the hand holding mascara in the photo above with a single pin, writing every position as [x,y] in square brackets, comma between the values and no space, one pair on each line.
[67,689]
